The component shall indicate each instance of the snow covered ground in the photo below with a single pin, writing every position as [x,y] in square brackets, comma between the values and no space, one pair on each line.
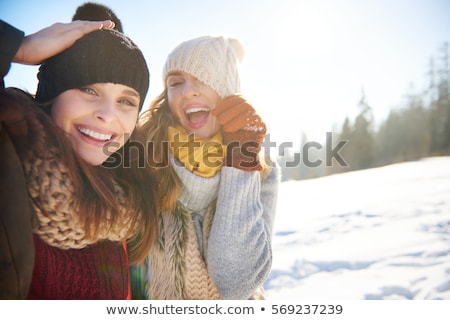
[382,233]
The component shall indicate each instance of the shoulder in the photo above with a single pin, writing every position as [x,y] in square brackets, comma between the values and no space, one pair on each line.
[10,41]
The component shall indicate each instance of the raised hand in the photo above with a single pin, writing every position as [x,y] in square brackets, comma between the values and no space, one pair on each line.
[243,132]
[54,39]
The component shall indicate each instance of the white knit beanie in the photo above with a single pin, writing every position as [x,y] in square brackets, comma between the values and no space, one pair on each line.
[212,60]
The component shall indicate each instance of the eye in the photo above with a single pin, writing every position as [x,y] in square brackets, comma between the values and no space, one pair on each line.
[174,84]
[174,81]
[88,90]
[129,102]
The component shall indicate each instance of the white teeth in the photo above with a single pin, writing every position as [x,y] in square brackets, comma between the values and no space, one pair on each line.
[95,135]
[197,109]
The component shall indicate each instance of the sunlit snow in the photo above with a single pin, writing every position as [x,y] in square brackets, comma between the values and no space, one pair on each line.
[382,233]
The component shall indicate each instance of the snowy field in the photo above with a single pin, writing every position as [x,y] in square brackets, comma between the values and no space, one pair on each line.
[381,233]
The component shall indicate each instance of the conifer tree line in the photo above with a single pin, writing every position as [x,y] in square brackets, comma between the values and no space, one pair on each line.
[418,128]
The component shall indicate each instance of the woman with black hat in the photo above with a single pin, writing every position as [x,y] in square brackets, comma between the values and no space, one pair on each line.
[75,214]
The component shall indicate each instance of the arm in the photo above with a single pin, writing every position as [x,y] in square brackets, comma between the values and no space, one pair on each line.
[10,41]
[50,41]
[239,248]
[35,48]
[16,240]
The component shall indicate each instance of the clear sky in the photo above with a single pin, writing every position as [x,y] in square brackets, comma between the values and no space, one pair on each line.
[306,60]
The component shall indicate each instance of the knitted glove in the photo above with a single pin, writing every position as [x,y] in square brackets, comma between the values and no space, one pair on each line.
[16,237]
[243,132]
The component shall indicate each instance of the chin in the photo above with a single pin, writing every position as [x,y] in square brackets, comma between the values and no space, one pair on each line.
[94,160]
[205,133]
[95,163]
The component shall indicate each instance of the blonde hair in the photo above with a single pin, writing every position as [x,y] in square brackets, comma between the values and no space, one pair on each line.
[153,125]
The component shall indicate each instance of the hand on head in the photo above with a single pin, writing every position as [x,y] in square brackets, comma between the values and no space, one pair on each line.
[50,41]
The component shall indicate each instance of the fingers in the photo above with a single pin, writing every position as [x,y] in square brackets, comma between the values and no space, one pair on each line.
[88,26]
[248,121]
[254,123]
[108,24]
[54,39]
[234,113]
[77,29]
[227,103]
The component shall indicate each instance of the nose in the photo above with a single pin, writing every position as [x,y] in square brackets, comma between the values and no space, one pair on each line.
[105,111]
[191,88]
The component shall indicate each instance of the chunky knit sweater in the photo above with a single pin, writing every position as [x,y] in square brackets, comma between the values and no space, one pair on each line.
[99,271]
[239,253]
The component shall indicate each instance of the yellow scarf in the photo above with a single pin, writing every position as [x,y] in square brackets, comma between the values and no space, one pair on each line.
[201,156]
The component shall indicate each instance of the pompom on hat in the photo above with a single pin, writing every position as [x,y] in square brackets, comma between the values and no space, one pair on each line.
[214,60]
[102,56]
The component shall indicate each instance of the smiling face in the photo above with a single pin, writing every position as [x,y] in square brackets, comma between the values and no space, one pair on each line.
[191,101]
[99,118]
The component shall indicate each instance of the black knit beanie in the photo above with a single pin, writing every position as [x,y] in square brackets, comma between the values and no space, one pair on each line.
[100,57]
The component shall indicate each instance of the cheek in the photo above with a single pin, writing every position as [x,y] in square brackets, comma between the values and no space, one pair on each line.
[171,104]
[172,101]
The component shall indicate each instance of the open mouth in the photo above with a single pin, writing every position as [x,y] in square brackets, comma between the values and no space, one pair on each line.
[197,115]
[95,135]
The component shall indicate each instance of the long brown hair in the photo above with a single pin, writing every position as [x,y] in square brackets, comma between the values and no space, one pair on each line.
[140,185]
[153,125]
[95,187]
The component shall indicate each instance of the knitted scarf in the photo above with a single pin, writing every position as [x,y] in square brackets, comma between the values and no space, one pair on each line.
[203,157]
[51,191]
[177,269]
